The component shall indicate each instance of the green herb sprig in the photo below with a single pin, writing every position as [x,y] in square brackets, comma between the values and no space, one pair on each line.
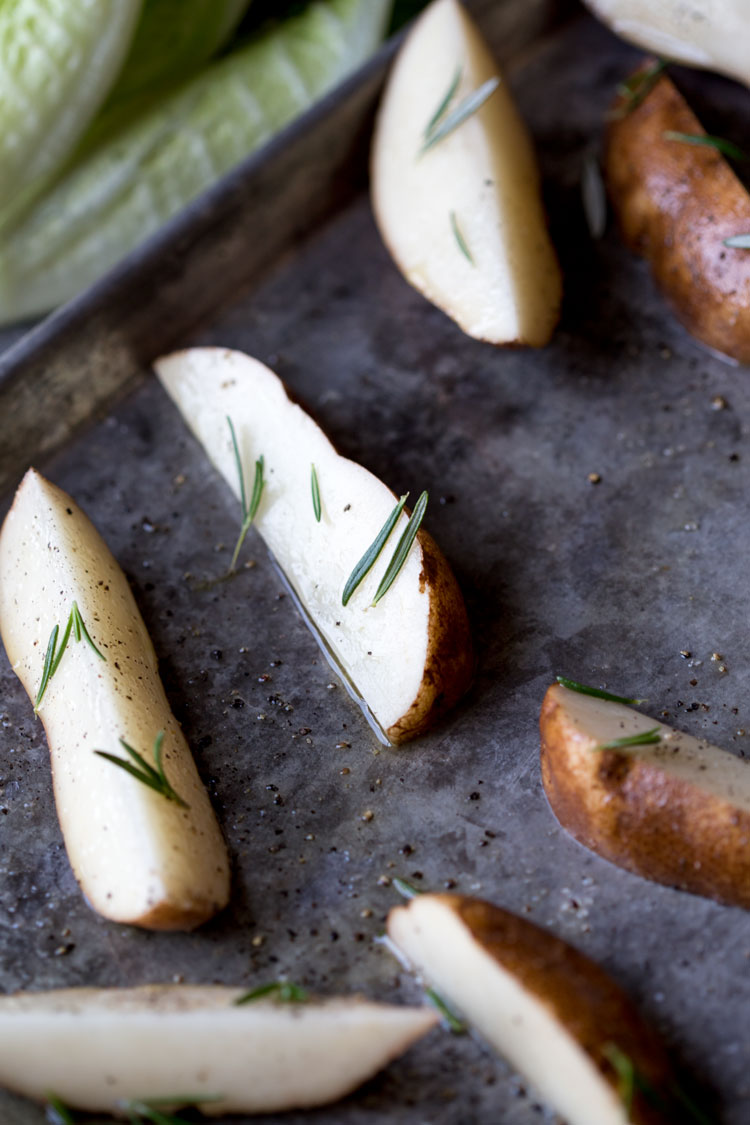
[393,569]
[59,1114]
[636,89]
[445,123]
[645,738]
[282,990]
[738,241]
[443,106]
[408,890]
[54,654]
[155,779]
[315,486]
[458,235]
[583,689]
[719,143]
[249,511]
[139,1111]
[368,560]
[450,1019]
[632,1081]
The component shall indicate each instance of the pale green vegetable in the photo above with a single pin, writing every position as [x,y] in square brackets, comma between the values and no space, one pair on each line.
[58,61]
[132,183]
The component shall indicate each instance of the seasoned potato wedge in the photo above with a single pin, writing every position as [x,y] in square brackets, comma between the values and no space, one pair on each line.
[463,216]
[139,856]
[554,1014]
[98,1049]
[676,811]
[409,657]
[676,203]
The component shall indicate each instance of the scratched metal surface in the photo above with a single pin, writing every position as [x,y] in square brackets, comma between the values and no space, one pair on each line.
[606,582]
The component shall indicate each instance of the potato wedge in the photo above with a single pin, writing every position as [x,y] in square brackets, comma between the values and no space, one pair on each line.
[138,856]
[554,1014]
[409,657]
[676,203]
[709,36]
[676,811]
[96,1049]
[463,216]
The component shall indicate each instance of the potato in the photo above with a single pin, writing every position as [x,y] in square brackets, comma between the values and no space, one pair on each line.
[711,36]
[409,657]
[96,1049]
[676,203]
[138,856]
[463,217]
[676,811]
[554,1014]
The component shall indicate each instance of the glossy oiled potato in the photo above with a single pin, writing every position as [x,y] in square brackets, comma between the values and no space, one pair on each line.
[676,203]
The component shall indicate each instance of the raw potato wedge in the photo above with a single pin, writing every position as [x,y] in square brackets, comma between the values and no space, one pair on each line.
[463,218]
[139,857]
[712,36]
[677,811]
[409,657]
[676,203]
[554,1014]
[95,1049]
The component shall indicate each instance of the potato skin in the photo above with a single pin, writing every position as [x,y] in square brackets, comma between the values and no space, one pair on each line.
[641,818]
[676,203]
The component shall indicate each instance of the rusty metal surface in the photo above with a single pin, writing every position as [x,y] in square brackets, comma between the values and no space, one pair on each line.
[607,582]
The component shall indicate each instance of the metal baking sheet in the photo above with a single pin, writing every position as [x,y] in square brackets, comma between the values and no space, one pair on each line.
[613,582]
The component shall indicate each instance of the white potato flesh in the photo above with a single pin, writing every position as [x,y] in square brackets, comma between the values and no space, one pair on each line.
[95,1049]
[710,34]
[138,857]
[479,185]
[515,1021]
[383,650]
[592,722]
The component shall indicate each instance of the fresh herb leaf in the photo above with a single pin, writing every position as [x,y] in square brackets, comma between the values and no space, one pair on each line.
[723,146]
[460,239]
[408,890]
[645,738]
[58,1112]
[283,990]
[248,510]
[571,685]
[54,654]
[402,550]
[450,1019]
[368,560]
[738,241]
[631,1081]
[315,492]
[155,779]
[446,101]
[636,89]
[465,109]
[625,1070]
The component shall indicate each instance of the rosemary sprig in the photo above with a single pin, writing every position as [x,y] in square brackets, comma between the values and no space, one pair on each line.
[366,563]
[738,241]
[457,234]
[156,779]
[636,89]
[248,510]
[402,550]
[54,655]
[282,990]
[139,1111]
[465,109]
[58,1112]
[631,1081]
[315,493]
[445,102]
[450,1019]
[408,890]
[625,1071]
[723,146]
[571,685]
[645,738]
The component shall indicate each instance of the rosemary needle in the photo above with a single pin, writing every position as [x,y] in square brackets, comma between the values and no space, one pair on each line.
[572,685]
[54,655]
[465,109]
[139,1111]
[452,1022]
[458,235]
[59,1113]
[631,1081]
[402,550]
[645,738]
[282,990]
[446,101]
[408,890]
[248,510]
[738,241]
[721,145]
[637,88]
[315,486]
[368,560]
[154,778]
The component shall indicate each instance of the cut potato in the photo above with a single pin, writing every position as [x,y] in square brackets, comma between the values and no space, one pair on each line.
[138,856]
[555,1015]
[409,657]
[96,1049]
[676,203]
[676,811]
[711,36]
[463,218]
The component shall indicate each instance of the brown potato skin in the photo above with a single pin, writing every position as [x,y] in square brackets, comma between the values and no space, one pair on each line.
[640,818]
[449,666]
[675,204]
[580,995]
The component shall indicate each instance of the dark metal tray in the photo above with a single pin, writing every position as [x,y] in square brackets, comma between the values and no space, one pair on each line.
[614,582]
